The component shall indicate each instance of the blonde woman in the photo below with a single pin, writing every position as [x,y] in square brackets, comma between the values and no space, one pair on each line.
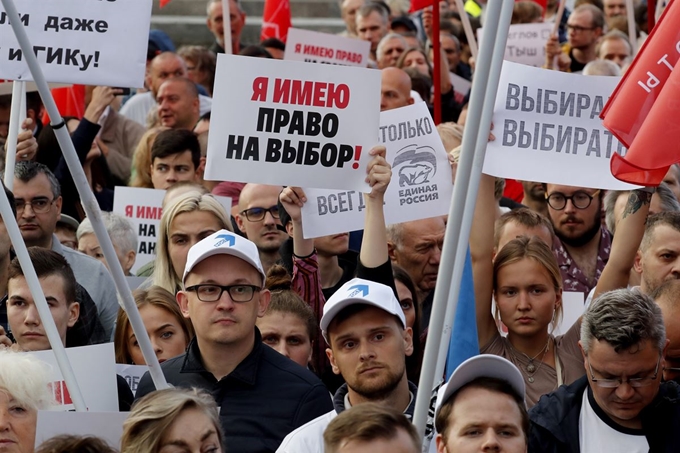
[173,420]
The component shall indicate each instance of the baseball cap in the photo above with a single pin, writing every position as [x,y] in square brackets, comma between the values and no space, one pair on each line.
[483,365]
[224,242]
[360,291]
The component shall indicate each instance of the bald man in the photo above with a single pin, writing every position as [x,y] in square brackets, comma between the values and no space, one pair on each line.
[178,104]
[258,218]
[395,89]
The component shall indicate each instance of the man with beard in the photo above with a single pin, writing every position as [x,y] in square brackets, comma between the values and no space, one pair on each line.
[368,340]
[581,245]
[534,197]
[584,27]
[259,220]
[658,258]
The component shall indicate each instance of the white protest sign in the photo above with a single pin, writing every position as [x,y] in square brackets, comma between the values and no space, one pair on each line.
[315,47]
[80,41]
[421,178]
[573,307]
[461,87]
[548,129]
[105,425]
[95,370]
[143,207]
[132,374]
[291,123]
[526,43]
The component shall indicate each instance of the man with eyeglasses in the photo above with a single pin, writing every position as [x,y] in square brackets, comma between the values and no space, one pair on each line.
[38,201]
[259,220]
[262,395]
[621,405]
[582,245]
[584,29]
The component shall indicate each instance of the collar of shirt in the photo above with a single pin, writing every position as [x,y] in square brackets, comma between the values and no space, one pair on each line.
[570,269]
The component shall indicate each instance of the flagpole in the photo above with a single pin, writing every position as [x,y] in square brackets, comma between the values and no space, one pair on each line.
[226,25]
[12,136]
[436,63]
[88,200]
[467,27]
[456,213]
[630,13]
[556,27]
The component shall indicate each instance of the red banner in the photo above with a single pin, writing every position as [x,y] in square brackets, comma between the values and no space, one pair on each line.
[643,109]
[164,2]
[276,19]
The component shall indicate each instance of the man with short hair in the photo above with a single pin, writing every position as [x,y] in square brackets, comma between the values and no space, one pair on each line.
[390,49]
[215,23]
[585,25]
[372,25]
[262,395]
[370,427]
[259,220]
[658,257]
[452,48]
[38,201]
[522,222]
[613,8]
[582,245]
[164,66]
[672,179]
[365,328]
[484,394]
[615,201]
[348,11]
[534,197]
[178,104]
[615,47]
[667,297]
[395,89]
[621,404]
[175,156]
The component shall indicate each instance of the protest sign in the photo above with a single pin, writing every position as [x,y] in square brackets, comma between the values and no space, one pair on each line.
[461,87]
[526,43]
[421,178]
[132,374]
[105,425]
[548,129]
[290,123]
[80,41]
[315,47]
[143,207]
[94,369]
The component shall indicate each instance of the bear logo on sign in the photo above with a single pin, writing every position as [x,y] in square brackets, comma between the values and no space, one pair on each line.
[415,165]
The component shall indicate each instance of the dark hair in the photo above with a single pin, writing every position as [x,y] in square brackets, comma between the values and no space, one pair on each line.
[34,102]
[668,218]
[10,198]
[415,360]
[441,421]
[47,263]
[176,141]
[255,51]
[274,44]
[285,300]
[5,101]
[25,171]
[420,83]
[67,443]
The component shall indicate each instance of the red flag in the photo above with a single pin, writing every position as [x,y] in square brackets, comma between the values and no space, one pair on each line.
[276,20]
[164,2]
[644,108]
[417,5]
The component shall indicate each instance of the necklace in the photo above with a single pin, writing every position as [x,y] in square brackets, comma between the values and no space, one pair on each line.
[531,368]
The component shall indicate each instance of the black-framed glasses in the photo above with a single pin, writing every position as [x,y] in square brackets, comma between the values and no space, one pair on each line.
[580,199]
[212,293]
[39,205]
[579,29]
[633,382]
[257,214]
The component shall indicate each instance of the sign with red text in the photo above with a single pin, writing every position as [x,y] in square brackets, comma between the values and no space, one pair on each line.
[290,123]
[144,208]
[548,129]
[108,426]
[314,47]
[95,370]
[80,41]
[526,43]
[421,178]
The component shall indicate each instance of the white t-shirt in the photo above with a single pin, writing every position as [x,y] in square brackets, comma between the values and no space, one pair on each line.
[598,434]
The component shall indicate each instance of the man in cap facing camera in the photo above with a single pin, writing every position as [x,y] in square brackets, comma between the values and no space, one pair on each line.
[482,408]
[364,326]
[262,395]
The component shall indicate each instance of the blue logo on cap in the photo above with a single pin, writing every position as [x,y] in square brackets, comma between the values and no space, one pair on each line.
[363,289]
[225,238]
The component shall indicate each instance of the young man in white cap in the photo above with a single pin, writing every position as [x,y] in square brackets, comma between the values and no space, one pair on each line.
[365,328]
[482,408]
[262,395]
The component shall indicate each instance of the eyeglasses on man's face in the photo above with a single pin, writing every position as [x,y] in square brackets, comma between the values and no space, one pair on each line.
[213,293]
[579,29]
[257,214]
[39,205]
[633,382]
[580,199]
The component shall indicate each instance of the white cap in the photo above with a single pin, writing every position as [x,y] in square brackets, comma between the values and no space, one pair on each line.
[483,365]
[360,291]
[224,242]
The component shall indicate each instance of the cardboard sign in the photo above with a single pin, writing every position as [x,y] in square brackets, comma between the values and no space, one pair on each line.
[548,129]
[315,47]
[105,425]
[132,374]
[95,371]
[526,43]
[421,178]
[290,123]
[80,41]
[143,207]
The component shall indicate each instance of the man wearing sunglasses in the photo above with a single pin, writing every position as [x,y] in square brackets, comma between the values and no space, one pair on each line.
[621,405]
[262,395]
[258,218]
[582,244]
